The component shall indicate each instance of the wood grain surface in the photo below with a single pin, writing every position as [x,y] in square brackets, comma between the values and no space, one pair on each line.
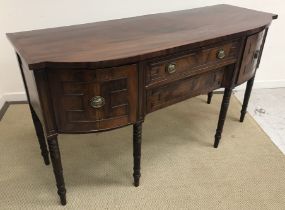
[133,39]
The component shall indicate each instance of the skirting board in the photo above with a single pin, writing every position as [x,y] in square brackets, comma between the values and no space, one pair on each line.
[21,96]
[264,84]
[261,85]
[11,98]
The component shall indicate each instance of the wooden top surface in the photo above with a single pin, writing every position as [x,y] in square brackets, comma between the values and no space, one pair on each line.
[132,38]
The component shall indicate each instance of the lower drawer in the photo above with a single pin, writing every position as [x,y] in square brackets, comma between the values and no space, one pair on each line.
[177,91]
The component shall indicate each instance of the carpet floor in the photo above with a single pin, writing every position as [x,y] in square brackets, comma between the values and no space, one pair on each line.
[180,168]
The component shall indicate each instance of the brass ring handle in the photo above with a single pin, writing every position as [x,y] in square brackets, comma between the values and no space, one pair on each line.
[97,102]
[171,68]
[221,54]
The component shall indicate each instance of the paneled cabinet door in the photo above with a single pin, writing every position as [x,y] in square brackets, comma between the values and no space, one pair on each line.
[250,57]
[91,100]
[118,89]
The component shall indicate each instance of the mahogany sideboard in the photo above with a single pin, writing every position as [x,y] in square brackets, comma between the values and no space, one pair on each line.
[100,76]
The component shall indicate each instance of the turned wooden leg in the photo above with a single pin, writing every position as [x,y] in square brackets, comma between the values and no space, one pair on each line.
[246,98]
[137,131]
[222,116]
[57,168]
[210,95]
[40,135]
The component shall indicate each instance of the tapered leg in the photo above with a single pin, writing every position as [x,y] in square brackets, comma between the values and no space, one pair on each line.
[222,116]
[210,95]
[246,98]
[57,168]
[41,136]
[137,131]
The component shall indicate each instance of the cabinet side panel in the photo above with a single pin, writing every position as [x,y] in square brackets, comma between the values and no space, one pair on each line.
[30,88]
[37,91]
[45,101]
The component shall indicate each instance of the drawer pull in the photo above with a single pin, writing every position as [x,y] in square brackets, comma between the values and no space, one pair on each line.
[221,54]
[171,68]
[97,102]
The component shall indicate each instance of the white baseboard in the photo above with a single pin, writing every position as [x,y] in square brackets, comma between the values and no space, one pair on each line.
[21,96]
[13,96]
[2,101]
[264,84]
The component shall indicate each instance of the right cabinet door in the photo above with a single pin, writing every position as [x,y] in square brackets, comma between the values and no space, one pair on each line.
[250,57]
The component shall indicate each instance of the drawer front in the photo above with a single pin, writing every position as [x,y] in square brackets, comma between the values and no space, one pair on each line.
[174,92]
[250,57]
[90,100]
[192,63]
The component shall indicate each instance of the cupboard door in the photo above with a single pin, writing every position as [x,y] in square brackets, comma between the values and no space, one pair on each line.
[91,100]
[119,91]
[250,57]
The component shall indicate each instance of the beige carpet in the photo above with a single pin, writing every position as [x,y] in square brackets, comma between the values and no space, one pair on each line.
[180,169]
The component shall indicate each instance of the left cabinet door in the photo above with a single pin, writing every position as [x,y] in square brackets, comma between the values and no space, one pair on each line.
[93,100]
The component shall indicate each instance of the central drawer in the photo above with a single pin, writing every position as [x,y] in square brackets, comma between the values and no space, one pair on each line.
[191,63]
[91,100]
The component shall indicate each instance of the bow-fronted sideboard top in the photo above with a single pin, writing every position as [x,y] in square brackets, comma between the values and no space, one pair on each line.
[134,39]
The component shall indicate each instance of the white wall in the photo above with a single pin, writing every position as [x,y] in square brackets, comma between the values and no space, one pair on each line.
[18,15]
